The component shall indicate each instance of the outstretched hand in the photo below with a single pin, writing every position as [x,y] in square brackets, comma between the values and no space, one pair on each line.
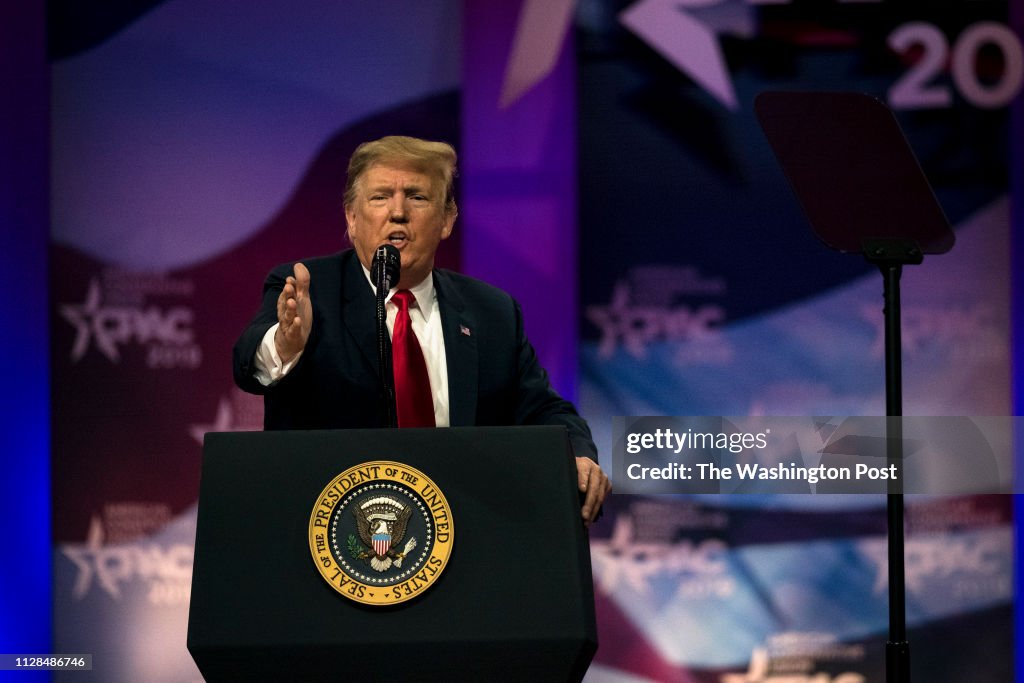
[594,483]
[294,314]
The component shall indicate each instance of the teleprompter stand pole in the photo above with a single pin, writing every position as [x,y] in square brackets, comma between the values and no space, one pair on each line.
[890,257]
[864,192]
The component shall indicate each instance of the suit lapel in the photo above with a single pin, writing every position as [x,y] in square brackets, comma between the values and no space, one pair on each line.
[358,311]
[460,352]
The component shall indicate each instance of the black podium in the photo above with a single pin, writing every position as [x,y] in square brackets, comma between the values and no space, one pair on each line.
[514,602]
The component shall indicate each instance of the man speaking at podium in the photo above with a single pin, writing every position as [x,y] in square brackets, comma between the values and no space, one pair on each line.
[459,352]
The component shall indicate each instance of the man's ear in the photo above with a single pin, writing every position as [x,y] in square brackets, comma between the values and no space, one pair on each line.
[350,216]
[449,222]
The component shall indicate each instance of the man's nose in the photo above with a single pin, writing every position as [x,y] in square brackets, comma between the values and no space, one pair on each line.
[397,209]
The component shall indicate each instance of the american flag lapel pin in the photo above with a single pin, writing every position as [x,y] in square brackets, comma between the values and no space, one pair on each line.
[465,330]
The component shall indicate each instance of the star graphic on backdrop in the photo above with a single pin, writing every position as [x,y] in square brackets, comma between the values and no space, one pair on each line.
[92,559]
[685,42]
[84,318]
[223,422]
[684,32]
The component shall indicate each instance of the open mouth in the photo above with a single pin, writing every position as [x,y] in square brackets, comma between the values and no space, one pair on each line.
[398,238]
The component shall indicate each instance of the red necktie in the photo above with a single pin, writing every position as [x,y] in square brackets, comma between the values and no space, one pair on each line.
[414,405]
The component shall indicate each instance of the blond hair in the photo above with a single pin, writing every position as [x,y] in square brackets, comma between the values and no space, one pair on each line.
[436,159]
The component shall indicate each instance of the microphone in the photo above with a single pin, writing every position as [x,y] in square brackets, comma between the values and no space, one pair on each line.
[386,267]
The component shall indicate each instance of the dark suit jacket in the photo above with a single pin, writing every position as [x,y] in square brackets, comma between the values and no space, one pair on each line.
[493,374]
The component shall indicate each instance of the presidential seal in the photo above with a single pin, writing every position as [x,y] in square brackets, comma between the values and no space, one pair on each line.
[381,533]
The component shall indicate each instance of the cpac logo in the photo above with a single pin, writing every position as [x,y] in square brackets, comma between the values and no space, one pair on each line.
[700,569]
[638,326]
[672,28]
[112,326]
[169,570]
[980,558]
[968,331]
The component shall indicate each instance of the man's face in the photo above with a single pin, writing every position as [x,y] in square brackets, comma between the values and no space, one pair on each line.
[396,204]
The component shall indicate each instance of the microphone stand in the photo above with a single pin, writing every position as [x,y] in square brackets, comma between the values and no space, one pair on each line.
[385,270]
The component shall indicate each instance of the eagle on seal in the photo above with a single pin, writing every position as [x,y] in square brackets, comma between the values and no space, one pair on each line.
[381,523]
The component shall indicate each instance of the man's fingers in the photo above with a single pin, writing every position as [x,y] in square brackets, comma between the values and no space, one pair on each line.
[287,293]
[293,295]
[592,481]
[293,333]
[303,303]
[294,313]
[590,503]
[286,311]
[597,487]
[301,280]
[292,327]
[583,473]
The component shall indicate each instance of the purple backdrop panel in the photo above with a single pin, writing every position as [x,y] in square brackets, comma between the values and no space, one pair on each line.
[518,168]
[193,148]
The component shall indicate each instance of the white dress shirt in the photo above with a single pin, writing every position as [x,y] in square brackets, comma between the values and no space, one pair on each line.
[426,324]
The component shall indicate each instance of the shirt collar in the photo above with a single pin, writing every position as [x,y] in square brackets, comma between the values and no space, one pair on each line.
[424,291]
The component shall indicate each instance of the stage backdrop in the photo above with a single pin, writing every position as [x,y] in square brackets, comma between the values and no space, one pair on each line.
[196,144]
[704,292]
